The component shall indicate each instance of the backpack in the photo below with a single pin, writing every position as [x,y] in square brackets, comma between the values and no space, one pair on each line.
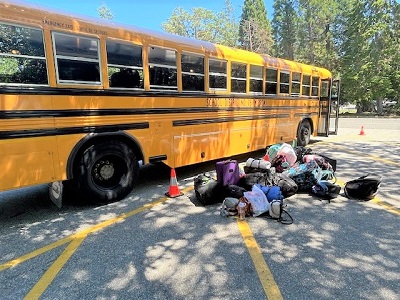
[287,185]
[363,188]
[208,190]
[251,179]
[326,190]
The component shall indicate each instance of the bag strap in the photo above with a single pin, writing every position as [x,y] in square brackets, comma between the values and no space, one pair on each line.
[285,221]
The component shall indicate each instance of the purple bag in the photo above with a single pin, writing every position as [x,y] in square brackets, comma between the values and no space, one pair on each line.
[227,172]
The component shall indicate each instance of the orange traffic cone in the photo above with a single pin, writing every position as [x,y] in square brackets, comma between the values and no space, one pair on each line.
[362,131]
[173,186]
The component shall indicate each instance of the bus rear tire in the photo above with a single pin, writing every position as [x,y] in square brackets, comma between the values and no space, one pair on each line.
[304,133]
[106,172]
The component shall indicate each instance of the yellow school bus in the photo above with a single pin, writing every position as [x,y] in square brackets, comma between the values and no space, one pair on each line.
[88,100]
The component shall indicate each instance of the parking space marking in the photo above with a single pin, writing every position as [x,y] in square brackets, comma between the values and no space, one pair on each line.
[53,270]
[267,280]
[386,206]
[74,241]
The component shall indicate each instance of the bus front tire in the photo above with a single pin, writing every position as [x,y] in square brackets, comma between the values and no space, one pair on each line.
[106,172]
[304,133]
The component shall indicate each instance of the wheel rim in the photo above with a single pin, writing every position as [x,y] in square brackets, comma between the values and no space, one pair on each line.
[304,133]
[108,171]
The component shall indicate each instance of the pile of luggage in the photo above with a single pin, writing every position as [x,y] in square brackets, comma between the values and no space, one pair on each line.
[259,186]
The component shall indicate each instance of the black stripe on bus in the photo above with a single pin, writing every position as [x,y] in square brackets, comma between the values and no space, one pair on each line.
[13,134]
[136,93]
[224,120]
[17,114]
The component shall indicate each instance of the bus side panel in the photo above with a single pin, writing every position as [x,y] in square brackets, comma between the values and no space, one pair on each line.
[27,162]
[214,141]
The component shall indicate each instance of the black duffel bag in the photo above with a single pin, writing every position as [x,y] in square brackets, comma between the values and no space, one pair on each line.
[208,190]
[363,188]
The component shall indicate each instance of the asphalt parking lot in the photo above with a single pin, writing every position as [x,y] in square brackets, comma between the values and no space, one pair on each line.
[148,246]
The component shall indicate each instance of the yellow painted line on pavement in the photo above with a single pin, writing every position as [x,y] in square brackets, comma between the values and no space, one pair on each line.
[267,280]
[33,254]
[52,272]
[389,207]
[76,241]
[79,234]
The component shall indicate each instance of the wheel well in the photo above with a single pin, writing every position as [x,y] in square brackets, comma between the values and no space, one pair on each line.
[89,140]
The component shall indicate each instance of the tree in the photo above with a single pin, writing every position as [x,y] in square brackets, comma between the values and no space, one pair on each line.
[284,28]
[255,28]
[316,41]
[204,24]
[104,12]
[370,52]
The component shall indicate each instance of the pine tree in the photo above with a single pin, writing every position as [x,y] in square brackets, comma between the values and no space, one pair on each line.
[316,40]
[284,28]
[255,28]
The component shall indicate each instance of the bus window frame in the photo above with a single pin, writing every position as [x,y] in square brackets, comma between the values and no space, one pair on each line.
[155,87]
[317,87]
[78,59]
[305,85]
[137,68]
[256,79]
[274,82]
[296,82]
[194,73]
[28,57]
[218,74]
[288,84]
[240,79]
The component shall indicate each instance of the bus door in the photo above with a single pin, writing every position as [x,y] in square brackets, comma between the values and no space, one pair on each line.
[328,108]
[334,107]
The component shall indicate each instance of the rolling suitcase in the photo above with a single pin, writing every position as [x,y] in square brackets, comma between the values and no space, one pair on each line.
[227,172]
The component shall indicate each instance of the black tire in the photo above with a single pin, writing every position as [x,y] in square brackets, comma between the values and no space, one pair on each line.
[304,133]
[106,172]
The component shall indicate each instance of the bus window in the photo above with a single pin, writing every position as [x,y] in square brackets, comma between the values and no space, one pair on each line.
[217,74]
[256,79]
[77,59]
[192,72]
[284,78]
[125,66]
[315,86]
[296,77]
[22,56]
[325,89]
[238,78]
[162,69]
[306,85]
[271,83]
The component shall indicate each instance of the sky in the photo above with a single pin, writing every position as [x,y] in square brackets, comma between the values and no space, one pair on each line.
[142,13]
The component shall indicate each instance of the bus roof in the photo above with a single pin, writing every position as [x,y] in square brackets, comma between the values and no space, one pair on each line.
[18,10]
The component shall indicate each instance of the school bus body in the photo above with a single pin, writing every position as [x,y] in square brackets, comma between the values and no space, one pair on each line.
[45,129]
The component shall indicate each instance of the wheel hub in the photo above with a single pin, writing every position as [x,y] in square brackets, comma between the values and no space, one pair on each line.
[104,170]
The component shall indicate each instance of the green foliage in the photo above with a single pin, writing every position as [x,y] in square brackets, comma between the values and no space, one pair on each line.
[370,51]
[285,27]
[104,12]
[255,28]
[204,24]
